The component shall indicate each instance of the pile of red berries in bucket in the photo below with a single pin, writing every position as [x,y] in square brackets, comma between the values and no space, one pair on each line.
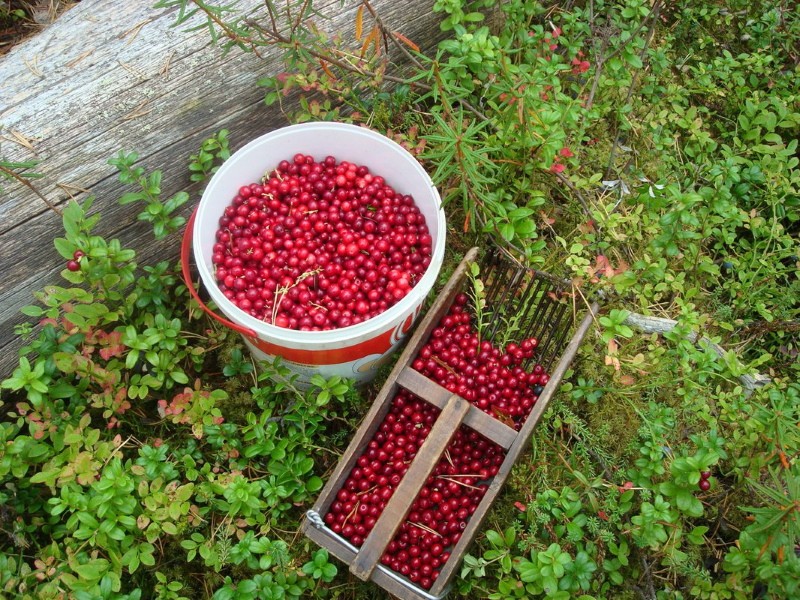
[320,245]
[492,380]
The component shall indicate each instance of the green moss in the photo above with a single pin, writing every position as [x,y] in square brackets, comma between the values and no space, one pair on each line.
[615,422]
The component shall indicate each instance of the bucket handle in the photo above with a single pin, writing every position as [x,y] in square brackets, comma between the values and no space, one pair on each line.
[186,245]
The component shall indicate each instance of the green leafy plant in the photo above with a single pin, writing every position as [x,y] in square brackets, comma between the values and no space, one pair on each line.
[157,211]
[213,150]
[645,151]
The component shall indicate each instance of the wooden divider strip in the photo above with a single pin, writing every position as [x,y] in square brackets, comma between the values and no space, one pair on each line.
[406,492]
[489,427]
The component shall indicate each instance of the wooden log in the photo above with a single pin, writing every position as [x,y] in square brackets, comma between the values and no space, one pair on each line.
[110,76]
[645,324]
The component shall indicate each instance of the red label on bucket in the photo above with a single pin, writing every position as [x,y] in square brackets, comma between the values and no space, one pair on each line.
[378,345]
[332,356]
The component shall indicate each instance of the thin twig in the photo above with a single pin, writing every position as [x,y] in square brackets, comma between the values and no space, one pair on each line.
[30,186]
[279,38]
[447,478]
[134,31]
[598,71]
[651,592]
[79,58]
[575,191]
[425,528]
[606,471]
[271,13]
[18,138]
[33,65]
[165,67]
[138,111]
[229,33]
[395,41]
[68,189]
[654,12]
[300,15]
[133,70]
[602,60]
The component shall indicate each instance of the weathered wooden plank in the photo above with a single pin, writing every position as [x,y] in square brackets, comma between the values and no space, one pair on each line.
[406,492]
[108,76]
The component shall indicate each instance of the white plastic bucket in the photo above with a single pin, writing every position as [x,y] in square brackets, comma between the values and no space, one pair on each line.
[354,352]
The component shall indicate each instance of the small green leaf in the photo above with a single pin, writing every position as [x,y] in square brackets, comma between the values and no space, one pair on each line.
[169,528]
[495,538]
[32,311]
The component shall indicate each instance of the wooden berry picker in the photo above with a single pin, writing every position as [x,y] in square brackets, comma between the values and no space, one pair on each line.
[414,485]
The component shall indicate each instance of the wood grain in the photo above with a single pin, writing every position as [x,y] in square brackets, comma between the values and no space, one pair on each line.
[407,490]
[110,76]
[489,427]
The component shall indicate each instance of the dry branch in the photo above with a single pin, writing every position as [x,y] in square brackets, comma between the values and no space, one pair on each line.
[661,326]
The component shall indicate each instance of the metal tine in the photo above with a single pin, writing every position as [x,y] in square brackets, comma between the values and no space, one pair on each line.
[541,299]
[527,301]
[559,341]
[509,301]
[549,321]
[534,297]
[553,330]
[493,280]
[492,274]
[544,319]
[506,281]
[510,289]
[488,273]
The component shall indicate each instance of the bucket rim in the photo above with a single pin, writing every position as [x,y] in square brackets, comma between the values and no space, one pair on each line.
[397,312]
